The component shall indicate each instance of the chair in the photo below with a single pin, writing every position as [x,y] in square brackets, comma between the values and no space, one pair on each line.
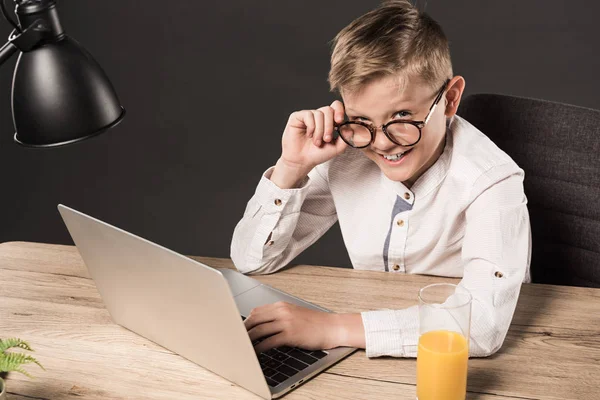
[558,147]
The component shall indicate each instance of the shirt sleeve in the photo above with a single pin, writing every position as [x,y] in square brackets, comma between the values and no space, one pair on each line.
[279,224]
[496,253]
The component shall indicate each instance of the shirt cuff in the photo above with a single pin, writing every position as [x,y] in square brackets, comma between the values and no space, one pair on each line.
[391,332]
[275,200]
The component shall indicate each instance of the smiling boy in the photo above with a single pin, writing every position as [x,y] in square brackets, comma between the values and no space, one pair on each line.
[416,189]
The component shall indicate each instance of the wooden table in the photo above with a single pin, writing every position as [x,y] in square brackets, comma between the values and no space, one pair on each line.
[552,350]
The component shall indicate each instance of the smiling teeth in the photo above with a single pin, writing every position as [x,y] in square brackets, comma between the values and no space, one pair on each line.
[394,157]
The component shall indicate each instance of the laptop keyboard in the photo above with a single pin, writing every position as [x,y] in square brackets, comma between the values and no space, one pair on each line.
[283,362]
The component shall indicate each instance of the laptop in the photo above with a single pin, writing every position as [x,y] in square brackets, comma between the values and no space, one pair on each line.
[190,308]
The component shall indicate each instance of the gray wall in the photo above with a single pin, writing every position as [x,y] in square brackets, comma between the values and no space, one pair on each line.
[208,87]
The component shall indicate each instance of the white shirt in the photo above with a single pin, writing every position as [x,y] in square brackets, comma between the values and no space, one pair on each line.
[466,216]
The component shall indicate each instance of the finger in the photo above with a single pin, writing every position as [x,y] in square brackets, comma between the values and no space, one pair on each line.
[328,113]
[303,120]
[266,329]
[341,146]
[260,315]
[339,110]
[319,121]
[267,313]
[271,342]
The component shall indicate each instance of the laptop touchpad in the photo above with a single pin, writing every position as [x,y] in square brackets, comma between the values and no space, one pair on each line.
[264,294]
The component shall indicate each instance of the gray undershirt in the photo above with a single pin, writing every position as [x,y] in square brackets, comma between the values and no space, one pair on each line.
[399,206]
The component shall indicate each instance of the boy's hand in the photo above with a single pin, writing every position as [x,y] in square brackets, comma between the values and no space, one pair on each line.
[285,324]
[307,142]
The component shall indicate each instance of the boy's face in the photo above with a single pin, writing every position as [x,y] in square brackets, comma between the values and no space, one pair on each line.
[383,100]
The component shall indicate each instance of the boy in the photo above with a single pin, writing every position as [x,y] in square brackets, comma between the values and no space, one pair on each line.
[416,189]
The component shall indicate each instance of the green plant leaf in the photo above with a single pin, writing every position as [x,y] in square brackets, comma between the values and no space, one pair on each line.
[10,361]
[11,343]
[21,370]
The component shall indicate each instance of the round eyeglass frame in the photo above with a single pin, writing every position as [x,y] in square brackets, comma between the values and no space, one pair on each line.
[373,129]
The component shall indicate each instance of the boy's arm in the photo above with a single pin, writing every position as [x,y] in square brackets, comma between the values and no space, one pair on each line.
[279,224]
[496,253]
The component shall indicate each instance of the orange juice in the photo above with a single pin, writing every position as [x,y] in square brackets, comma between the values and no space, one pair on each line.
[442,366]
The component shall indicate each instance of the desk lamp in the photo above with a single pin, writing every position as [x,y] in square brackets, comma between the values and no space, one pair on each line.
[60,95]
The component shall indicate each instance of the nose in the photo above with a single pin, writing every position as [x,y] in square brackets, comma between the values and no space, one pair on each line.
[381,141]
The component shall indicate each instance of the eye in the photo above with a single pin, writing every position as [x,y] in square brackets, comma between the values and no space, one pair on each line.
[404,114]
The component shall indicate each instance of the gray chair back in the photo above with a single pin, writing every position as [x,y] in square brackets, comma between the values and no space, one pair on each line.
[558,147]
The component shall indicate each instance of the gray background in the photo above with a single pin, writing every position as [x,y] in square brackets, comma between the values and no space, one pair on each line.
[209,85]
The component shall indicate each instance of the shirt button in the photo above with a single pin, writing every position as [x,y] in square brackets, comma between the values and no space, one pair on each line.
[396,267]
[407,196]
[498,274]
[277,202]
[400,222]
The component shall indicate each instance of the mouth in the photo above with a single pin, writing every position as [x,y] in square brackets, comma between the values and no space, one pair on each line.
[395,158]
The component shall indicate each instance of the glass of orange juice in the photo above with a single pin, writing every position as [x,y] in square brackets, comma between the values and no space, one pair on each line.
[443,352]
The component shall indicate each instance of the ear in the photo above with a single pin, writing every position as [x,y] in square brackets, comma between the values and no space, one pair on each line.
[454,93]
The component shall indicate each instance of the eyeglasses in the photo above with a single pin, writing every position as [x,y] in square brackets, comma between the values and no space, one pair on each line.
[406,133]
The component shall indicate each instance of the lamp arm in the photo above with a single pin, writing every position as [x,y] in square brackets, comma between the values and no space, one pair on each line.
[24,41]
[7,51]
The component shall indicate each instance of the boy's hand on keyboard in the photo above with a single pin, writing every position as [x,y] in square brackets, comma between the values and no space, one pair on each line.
[285,324]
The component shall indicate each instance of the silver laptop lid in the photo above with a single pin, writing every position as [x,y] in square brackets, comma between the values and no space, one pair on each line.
[172,300]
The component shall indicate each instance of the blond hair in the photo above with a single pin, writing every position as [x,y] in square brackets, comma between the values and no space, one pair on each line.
[394,39]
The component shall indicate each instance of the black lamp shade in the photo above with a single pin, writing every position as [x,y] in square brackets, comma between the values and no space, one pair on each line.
[61,95]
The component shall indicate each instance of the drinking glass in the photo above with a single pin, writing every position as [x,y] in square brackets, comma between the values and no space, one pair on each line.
[443,352]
